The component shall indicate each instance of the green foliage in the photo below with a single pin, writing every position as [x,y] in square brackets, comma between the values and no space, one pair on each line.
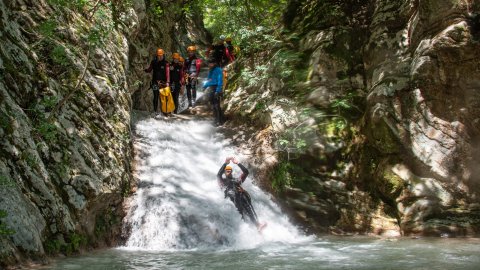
[317,14]
[250,23]
[158,11]
[47,130]
[73,4]
[4,230]
[76,241]
[30,159]
[73,244]
[350,105]
[6,182]
[289,66]
[253,77]
[156,8]
[294,140]
[48,102]
[288,174]
[53,246]
[281,176]
[47,28]
[59,56]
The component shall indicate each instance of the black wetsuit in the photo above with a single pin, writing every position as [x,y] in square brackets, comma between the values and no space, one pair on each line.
[176,77]
[233,189]
[192,69]
[160,77]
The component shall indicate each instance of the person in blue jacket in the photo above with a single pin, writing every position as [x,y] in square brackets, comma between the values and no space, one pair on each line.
[215,84]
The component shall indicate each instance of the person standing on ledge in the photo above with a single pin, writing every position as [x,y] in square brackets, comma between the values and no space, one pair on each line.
[160,76]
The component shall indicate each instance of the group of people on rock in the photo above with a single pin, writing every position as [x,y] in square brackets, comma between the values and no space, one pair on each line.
[180,72]
[177,73]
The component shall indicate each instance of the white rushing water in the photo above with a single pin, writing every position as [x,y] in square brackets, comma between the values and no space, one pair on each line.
[178,204]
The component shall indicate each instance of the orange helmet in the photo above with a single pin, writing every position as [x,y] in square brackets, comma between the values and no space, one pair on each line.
[191,48]
[160,52]
[181,59]
[228,167]
[176,56]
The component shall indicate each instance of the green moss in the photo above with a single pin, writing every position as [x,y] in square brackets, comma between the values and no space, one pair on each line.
[6,182]
[384,139]
[392,185]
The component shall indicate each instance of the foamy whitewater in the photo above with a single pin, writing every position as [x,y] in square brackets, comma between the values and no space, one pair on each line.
[178,204]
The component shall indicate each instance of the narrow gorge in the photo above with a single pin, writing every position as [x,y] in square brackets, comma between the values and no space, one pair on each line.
[354,117]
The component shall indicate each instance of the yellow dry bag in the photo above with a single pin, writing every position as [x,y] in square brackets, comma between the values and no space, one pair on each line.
[166,100]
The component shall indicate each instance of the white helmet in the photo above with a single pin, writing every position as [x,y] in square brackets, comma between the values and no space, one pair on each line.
[222,37]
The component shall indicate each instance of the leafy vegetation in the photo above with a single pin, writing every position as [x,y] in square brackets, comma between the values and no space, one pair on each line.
[250,23]
[289,174]
[6,182]
[72,244]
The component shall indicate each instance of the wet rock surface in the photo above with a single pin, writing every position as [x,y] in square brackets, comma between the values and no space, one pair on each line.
[406,74]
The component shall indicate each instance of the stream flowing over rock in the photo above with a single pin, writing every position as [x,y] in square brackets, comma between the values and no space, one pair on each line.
[402,80]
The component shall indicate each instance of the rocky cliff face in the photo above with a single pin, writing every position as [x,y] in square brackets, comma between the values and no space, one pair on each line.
[63,180]
[423,81]
[377,128]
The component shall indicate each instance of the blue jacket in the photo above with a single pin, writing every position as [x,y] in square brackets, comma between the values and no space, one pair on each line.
[215,78]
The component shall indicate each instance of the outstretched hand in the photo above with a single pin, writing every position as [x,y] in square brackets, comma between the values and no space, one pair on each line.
[235,160]
[227,159]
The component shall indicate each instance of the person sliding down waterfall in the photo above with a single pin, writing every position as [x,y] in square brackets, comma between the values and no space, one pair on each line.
[239,196]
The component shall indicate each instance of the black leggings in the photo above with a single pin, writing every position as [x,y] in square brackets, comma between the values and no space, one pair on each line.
[176,92]
[215,101]
[156,96]
[191,90]
[243,203]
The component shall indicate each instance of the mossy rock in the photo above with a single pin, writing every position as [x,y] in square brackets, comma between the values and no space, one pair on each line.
[384,139]
[391,185]
[387,183]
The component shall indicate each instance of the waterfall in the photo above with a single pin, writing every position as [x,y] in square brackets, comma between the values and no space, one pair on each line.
[178,204]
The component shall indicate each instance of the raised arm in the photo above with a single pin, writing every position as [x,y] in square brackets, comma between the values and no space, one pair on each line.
[220,172]
[244,172]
